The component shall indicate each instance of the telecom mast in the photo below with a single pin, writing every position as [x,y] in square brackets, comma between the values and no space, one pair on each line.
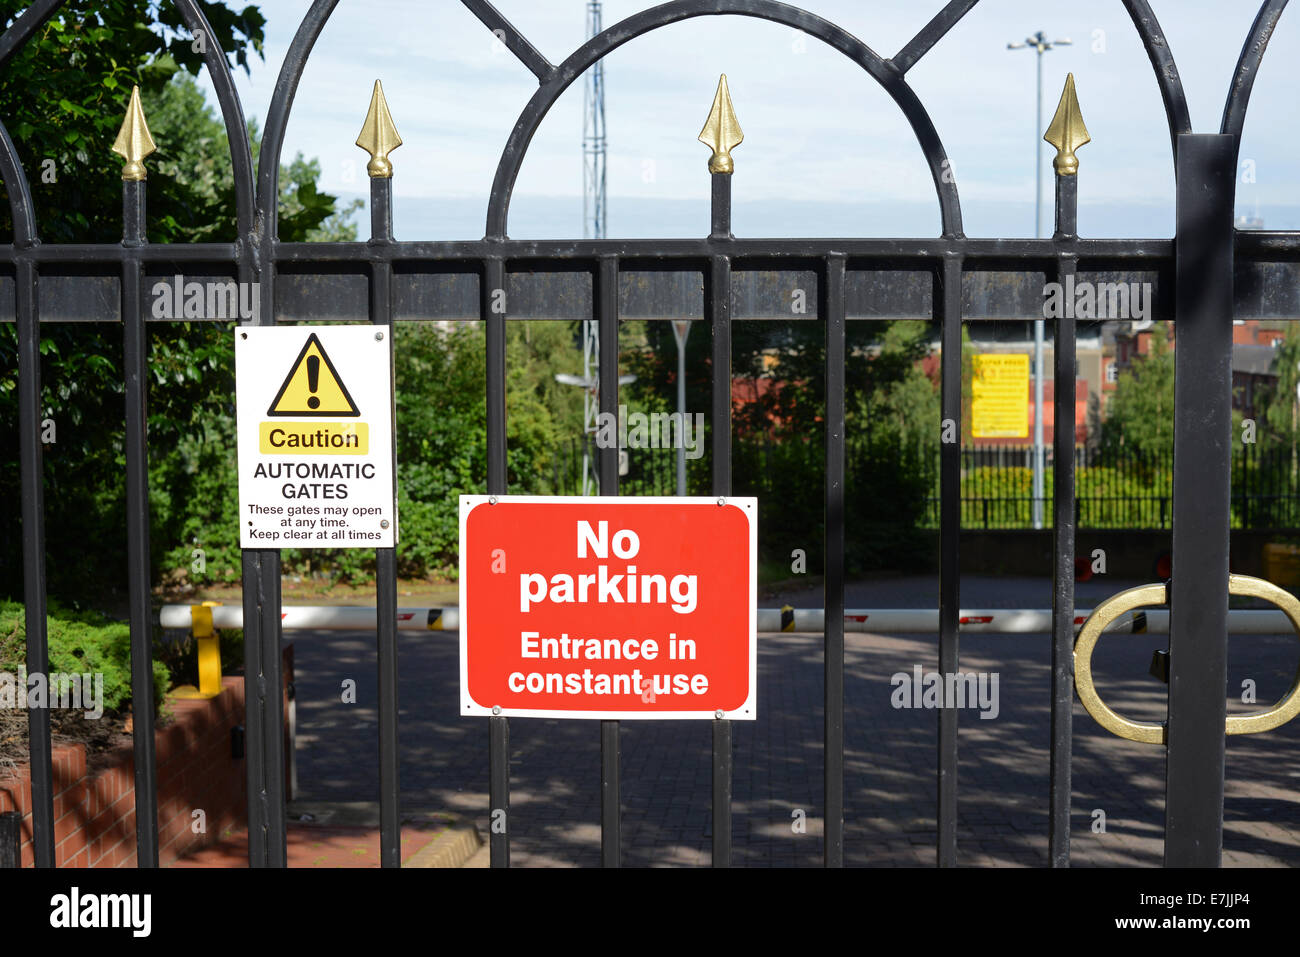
[593,227]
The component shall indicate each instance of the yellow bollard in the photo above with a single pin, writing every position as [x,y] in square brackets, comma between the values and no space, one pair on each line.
[209,645]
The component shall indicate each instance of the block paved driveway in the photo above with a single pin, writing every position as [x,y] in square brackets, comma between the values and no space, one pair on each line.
[890,755]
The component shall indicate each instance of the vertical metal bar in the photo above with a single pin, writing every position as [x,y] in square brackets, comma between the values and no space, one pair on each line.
[1243,490]
[11,835]
[492,307]
[1036,506]
[948,304]
[272,687]
[718,303]
[1198,646]
[134,359]
[381,314]
[33,514]
[251,561]
[263,671]
[681,408]
[1063,537]
[832,301]
[264,711]
[606,303]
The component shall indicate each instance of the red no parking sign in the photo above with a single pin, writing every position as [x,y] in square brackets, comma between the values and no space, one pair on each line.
[608,607]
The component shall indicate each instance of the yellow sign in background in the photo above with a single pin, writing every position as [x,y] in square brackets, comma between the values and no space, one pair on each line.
[1000,397]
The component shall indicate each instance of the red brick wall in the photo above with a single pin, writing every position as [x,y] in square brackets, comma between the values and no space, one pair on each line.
[94,817]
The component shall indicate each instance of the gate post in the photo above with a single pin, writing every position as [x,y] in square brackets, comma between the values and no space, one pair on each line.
[1198,595]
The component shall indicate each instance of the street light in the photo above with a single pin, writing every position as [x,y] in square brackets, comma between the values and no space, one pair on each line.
[681,329]
[1040,45]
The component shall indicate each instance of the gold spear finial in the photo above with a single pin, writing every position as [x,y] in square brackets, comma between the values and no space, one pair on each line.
[133,141]
[379,135]
[1067,132]
[721,132]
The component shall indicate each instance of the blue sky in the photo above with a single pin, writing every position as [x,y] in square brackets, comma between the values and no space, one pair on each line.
[826,152]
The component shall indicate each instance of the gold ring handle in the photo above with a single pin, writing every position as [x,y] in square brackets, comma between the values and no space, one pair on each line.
[1146,732]
[1102,616]
[1289,706]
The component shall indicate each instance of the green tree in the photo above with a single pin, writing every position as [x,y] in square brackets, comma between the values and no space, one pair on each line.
[893,426]
[193,483]
[442,429]
[1140,414]
[63,97]
[779,429]
[1279,425]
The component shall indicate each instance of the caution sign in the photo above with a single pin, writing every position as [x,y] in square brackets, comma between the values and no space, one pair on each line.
[307,392]
[608,607]
[1000,396]
[315,423]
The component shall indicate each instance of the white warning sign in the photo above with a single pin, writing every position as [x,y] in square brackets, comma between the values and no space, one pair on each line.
[315,422]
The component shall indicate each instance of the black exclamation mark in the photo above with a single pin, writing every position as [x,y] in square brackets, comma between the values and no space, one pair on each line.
[313,380]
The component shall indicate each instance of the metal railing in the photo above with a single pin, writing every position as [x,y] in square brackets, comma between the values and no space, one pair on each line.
[1118,488]
[1198,263]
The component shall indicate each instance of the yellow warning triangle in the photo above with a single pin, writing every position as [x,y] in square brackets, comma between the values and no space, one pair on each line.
[313,387]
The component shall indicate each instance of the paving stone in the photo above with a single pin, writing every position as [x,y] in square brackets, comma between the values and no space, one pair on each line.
[890,757]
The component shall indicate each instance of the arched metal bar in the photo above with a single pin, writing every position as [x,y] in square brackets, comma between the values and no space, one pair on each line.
[28,22]
[931,33]
[884,72]
[267,841]
[19,189]
[515,41]
[1243,78]
[232,113]
[277,119]
[1162,62]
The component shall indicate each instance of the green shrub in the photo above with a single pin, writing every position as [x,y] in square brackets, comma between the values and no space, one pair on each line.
[79,642]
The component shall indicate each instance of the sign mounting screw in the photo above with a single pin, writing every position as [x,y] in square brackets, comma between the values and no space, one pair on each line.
[383,523]
[496,709]
[718,713]
[379,337]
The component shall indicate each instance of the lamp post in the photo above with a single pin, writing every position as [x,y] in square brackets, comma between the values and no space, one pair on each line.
[1040,45]
[681,329]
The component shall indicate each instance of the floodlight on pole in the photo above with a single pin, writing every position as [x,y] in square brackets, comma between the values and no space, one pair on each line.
[1040,45]
[590,384]
[564,378]
[594,150]
[681,329]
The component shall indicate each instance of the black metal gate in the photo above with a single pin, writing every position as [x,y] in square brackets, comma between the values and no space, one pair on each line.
[1193,275]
